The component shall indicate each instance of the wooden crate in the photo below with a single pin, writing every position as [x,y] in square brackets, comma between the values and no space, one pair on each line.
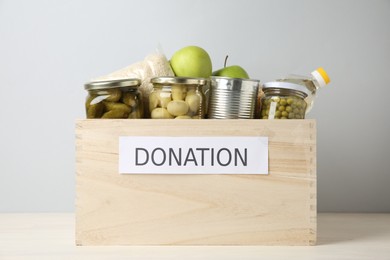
[212,209]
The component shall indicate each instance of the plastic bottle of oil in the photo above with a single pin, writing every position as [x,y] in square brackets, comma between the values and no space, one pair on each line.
[319,78]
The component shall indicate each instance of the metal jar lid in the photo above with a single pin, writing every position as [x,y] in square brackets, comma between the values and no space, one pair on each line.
[116,83]
[178,80]
[285,85]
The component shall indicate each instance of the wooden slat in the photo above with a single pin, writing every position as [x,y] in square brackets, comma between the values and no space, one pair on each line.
[276,209]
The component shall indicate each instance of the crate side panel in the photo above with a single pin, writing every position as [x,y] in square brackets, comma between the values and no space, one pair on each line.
[278,209]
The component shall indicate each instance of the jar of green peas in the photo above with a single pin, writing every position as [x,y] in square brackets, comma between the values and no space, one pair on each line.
[283,100]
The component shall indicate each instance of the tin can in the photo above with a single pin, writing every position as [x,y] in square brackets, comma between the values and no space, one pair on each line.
[114,99]
[232,98]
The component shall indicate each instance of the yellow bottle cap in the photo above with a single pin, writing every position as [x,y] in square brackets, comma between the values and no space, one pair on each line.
[323,74]
[321,77]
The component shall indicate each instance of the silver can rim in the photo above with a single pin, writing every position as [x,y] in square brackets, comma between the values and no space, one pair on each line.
[236,84]
[235,79]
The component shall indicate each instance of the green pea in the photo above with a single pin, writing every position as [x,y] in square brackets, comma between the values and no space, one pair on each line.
[287,107]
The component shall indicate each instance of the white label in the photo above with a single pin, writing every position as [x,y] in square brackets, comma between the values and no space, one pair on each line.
[193,155]
[272,109]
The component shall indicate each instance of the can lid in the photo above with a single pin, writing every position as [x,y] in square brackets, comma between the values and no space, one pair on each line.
[221,78]
[235,83]
[116,83]
[286,85]
[179,80]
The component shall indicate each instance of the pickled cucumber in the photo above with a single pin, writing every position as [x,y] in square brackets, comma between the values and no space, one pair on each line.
[117,106]
[116,110]
[135,114]
[113,94]
[115,113]
[130,99]
[89,100]
[95,111]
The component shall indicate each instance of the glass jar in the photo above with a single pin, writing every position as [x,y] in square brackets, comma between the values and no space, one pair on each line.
[177,98]
[114,99]
[283,100]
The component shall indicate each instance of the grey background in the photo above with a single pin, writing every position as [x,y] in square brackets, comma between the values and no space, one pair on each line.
[49,49]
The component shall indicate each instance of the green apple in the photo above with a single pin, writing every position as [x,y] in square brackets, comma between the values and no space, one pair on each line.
[233,71]
[191,61]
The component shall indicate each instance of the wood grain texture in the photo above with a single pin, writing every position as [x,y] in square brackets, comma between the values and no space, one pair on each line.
[276,209]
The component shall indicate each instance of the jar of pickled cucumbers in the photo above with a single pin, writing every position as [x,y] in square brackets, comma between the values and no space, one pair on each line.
[114,99]
[177,98]
[283,100]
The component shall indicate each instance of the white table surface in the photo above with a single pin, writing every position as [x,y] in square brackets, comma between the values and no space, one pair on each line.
[51,236]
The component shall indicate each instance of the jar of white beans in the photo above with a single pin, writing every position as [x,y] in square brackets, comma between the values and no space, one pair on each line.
[177,98]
